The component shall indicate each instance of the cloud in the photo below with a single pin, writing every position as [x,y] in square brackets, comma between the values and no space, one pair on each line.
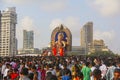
[107,7]
[45,5]
[15,1]
[110,39]
[26,23]
[20,2]
[55,23]
[53,5]
[107,36]
[72,23]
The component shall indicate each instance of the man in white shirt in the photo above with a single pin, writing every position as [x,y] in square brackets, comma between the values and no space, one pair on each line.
[3,68]
[6,70]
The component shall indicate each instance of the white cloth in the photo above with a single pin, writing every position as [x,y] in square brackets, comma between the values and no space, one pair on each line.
[24,78]
[3,68]
[52,71]
[110,73]
[103,69]
[92,69]
[5,72]
[13,64]
[61,66]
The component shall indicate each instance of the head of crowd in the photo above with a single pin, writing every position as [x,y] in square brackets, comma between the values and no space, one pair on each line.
[59,68]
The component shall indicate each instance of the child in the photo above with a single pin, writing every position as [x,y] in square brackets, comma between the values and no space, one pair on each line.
[66,76]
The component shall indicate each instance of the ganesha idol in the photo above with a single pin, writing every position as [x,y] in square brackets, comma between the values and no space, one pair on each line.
[59,46]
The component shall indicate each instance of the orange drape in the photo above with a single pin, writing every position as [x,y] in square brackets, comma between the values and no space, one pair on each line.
[54,51]
[61,51]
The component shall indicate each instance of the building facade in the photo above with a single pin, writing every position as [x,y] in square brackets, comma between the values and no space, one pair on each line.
[87,35]
[8,21]
[0,24]
[28,39]
[98,46]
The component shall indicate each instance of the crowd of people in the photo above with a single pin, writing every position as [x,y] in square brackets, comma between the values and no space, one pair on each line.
[59,68]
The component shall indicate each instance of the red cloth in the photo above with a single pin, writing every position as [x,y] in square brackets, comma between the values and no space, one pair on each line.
[14,76]
[43,74]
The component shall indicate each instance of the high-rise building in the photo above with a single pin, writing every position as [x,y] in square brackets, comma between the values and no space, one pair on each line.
[16,44]
[28,44]
[8,20]
[87,35]
[0,24]
[28,39]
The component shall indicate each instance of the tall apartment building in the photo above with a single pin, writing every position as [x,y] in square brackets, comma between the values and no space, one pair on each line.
[87,35]
[28,39]
[0,24]
[8,20]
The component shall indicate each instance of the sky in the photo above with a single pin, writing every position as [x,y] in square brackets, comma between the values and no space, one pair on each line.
[42,16]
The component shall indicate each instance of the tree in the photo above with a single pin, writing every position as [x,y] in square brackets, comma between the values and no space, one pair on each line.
[103,53]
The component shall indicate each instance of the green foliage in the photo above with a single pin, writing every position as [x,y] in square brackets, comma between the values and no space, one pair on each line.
[73,53]
[96,54]
[103,53]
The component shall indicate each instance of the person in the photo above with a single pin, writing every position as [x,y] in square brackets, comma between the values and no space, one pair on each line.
[50,76]
[81,76]
[75,72]
[43,72]
[110,71]
[92,69]
[103,69]
[14,75]
[59,45]
[75,77]
[66,76]
[50,69]
[6,70]
[36,74]
[96,74]
[116,74]
[65,70]
[57,71]
[3,68]
[24,74]
[118,64]
[86,71]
